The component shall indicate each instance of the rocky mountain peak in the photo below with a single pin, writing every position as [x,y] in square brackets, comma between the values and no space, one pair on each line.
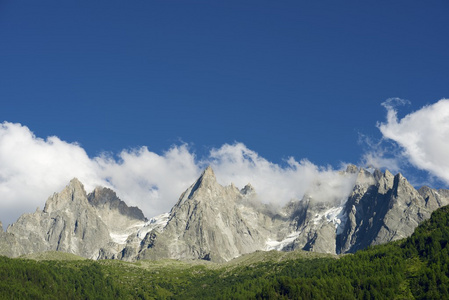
[103,197]
[364,177]
[75,187]
[207,178]
[72,194]
[352,169]
[206,223]
[388,174]
[385,182]
[434,199]
[206,184]
[248,189]
[75,182]
[68,223]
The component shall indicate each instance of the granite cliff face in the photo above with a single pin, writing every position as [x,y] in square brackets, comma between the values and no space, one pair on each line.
[384,208]
[208,222]
[218,223]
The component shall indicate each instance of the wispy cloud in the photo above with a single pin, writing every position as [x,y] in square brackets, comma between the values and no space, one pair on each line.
[32,168]
[381,154]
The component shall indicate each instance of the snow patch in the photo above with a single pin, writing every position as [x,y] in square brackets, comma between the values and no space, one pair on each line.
[119,238]
[334,215]
[279,245]
[158,222]
[370,170]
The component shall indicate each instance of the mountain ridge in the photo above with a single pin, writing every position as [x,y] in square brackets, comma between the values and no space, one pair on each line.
[218,223]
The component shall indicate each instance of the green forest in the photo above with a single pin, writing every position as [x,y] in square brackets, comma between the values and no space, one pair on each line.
[413,268]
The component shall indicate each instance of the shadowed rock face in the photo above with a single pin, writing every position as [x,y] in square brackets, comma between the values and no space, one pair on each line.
[107,199]
[386,209]
[218,223]
[113,211]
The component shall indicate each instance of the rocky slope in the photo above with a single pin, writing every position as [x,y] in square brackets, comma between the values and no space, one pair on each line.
[218,223]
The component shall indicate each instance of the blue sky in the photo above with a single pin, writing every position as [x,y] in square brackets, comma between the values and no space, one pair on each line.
[296,78]
[286,78]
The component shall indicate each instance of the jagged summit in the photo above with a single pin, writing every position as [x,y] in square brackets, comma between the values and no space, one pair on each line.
[68,223]
[72,194]
[106,199]
[352,169]
[248,189]
[208,172]
[206,223]
[75,182]
[206,183]
[207,178]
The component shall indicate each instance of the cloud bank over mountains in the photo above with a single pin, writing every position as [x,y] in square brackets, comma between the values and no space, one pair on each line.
[32,168]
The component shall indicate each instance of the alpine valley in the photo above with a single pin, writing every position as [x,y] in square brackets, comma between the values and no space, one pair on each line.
[218,223]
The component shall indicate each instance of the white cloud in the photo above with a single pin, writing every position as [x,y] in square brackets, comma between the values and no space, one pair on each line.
[150,181]
[422,135]
[274,183]
[32,169]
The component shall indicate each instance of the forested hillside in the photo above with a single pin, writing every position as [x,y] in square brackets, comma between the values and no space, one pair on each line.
[416,267]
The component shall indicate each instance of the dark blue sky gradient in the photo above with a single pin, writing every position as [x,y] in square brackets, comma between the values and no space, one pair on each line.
[286,78]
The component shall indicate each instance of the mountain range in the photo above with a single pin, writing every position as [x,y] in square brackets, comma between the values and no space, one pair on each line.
[218,223]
